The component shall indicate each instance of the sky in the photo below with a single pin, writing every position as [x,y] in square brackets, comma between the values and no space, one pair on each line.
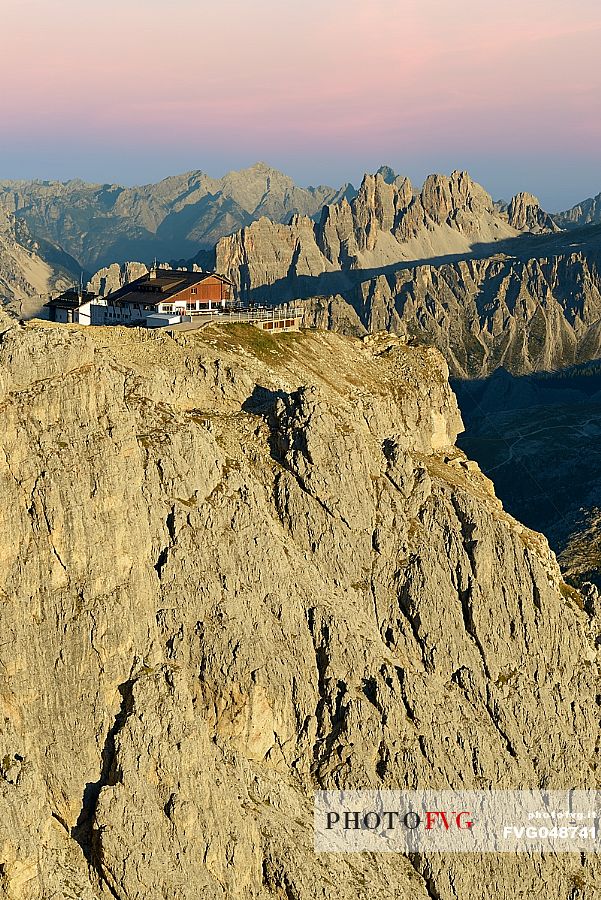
[132,91]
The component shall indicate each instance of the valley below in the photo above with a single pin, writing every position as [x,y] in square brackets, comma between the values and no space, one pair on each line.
[538,437]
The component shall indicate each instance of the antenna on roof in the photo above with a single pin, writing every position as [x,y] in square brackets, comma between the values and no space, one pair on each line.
[81,285]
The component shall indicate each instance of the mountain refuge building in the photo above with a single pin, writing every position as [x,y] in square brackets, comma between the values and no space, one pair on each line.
[168,292]
[159,296]
[164,298]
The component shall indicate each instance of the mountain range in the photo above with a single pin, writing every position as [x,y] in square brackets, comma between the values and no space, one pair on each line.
[388,223]
[489,284]
[586,213]
[99,224]
[175,219]
[533,304]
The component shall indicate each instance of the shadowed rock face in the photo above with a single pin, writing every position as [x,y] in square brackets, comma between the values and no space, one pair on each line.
[523,314]
[237,568]
[538,437]
[29,269]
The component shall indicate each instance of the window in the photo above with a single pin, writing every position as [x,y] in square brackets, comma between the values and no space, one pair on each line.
[193,291]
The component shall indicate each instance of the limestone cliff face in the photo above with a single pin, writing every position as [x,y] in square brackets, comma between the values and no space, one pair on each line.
[236,568]
[111,278]
[524,214]
[386,223]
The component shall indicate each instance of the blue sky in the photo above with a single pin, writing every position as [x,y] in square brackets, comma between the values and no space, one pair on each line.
[324,91]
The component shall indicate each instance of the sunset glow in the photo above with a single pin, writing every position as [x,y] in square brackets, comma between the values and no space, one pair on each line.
[124,91]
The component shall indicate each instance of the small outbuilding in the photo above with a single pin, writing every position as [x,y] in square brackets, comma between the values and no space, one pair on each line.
[75,306]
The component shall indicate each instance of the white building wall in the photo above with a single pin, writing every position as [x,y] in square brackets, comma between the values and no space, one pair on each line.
[97,313]
[83,315]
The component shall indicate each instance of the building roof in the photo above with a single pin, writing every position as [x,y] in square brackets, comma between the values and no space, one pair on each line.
[71,299]
[159,285]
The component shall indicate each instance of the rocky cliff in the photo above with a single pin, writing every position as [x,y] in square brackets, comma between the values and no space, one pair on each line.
[111,278]
[236,568]
[524,214]
[387,223]
[524,314]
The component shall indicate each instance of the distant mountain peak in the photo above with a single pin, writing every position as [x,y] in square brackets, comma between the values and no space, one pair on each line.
[587,212]
[387,173]
[525,214]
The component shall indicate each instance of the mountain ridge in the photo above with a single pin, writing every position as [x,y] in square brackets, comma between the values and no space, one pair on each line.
[387,223]
[587,212]
[531,311]
[99,223]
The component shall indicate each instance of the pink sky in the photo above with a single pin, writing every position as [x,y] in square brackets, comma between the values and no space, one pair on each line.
[138,89]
